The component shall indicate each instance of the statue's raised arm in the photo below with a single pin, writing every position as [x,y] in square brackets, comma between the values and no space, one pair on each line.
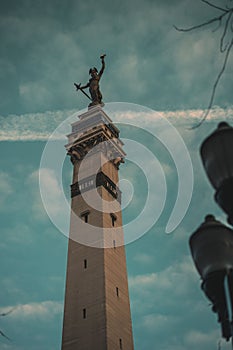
[103,65]
[93,84]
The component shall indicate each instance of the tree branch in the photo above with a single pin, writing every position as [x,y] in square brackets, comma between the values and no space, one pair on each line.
[202,24]
[224,33]
[228,25]
[212,5]
[8,312]
[215,86]
[219,25]
[4,335]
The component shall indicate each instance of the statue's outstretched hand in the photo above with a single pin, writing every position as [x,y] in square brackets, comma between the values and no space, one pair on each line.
[102,56]
[77,86]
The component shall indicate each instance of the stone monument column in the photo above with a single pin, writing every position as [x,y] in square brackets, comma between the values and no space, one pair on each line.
[97,310]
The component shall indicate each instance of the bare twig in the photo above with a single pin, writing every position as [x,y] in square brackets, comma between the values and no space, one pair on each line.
[228,26]
[215,86]
[4,335]
[212,5]
[219,25]
[5,314]
[219,18]
[8,312]
[224,33]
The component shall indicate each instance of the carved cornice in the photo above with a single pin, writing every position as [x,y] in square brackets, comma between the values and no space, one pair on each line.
[99,139]
[95,132]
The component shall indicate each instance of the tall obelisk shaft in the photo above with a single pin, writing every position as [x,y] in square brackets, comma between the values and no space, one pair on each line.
[97,310]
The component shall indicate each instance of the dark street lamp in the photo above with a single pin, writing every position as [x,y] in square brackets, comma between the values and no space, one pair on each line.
[212,243]
[212,251]
[217,157]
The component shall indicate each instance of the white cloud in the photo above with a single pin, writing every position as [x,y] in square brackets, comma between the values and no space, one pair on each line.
[180,280]
[45,180]
[143,280]
[37,207]
[157,322]
[197,339]
[175,278]
[43,310]
[27,93]
[171,302]
[49,184]
[143,258]
[39,126]
[32,127]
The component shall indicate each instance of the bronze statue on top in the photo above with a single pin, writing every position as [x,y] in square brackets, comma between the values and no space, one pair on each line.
[93,84]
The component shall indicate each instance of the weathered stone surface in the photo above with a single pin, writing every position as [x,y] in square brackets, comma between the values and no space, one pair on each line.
[97,310]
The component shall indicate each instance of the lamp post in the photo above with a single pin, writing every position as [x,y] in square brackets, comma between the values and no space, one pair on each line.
[211,247]
[217,157]
[211,244]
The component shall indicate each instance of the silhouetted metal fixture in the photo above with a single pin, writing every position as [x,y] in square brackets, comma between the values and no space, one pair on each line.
[217,157]
[212,251]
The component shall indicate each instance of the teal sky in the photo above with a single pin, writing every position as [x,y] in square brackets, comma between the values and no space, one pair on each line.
[45,47]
